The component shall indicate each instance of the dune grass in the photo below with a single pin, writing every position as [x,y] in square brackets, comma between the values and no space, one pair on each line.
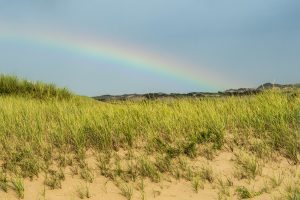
[35,135]
[11,85]
[173,127]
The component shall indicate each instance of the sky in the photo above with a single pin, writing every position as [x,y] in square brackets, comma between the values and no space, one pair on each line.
[101,47]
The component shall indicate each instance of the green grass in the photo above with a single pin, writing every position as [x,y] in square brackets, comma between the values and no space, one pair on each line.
[197,184]
[243,192]
[148,169]
[87,174]
[293,189]
[206,173]
[11,85]
[54,179]
[248,165]
[3,182]
[58,130]
[18,187]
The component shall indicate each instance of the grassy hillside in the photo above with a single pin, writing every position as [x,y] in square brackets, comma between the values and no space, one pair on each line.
[11,85]
[159,138]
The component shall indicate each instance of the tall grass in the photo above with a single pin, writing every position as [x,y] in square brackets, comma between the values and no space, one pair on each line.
[11,85]
[31,131]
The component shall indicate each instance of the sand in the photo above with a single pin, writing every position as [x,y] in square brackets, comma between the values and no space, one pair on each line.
[169,188]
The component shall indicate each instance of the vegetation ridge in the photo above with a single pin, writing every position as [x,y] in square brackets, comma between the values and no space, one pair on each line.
[229,92]
[11,85]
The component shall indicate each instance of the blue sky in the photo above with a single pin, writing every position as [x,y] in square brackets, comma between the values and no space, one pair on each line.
[246,43]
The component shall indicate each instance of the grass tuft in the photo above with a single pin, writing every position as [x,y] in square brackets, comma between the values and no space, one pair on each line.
[197,184]
[83,192]
[54,179]
[248,165]
[243,192]
[148,169]
[3,182]
[18,187]
[126,191]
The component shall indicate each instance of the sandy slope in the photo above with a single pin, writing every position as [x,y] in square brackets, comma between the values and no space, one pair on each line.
[168,188]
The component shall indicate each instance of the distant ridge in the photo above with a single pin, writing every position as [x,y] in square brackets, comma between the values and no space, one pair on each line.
[274,85]
[230,92]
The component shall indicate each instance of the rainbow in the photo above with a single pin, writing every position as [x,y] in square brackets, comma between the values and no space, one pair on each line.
[121,55]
